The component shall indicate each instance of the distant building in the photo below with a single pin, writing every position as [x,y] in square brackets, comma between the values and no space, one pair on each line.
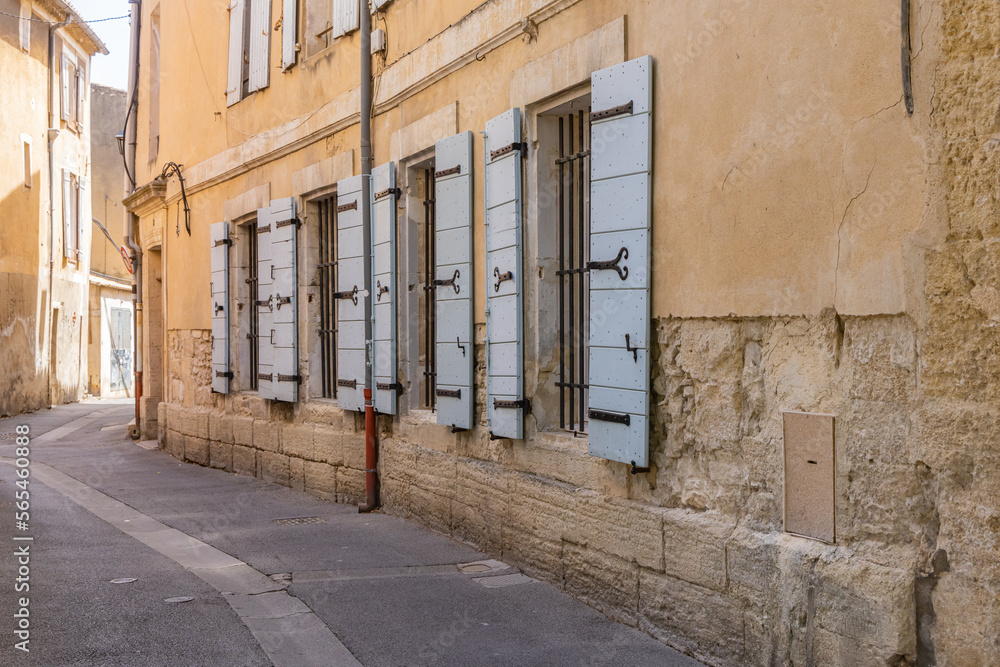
[45,210]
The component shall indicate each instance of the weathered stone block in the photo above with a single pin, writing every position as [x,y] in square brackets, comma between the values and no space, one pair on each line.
[274,468]
[196,450]
[353,448]
[695,620]
[608,583]
[751,564]
[350,486]
[243,431]
[320,479]
[198,424]
[175,444]
[267,436]
[328,446]
[694,547]
[622,528]
[296,474]
[297,441]
[244,461]
[221,456]
[431,509]
[220,427]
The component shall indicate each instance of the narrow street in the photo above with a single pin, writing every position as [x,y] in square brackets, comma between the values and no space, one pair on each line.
[121,535]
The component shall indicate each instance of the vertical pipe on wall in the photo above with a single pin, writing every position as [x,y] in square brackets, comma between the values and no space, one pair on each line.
[52,133]
[367,110]
[131,220]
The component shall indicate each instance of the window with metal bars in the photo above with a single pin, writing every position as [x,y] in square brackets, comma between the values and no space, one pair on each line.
[253,313]
[573,166]
[327,273]
[430,294]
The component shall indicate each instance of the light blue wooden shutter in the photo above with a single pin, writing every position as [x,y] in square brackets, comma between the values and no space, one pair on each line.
[384,371]
[621,213]
[265,305]
[260,44]
[284,287]
[234,87]
[221,375]
[350,296]
[289,32]
[506,404]
[346,17]
[453,282]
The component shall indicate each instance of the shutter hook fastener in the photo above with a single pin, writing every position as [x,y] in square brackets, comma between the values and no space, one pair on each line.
[501,278]
[381,290]
[633,350]
[612,264]
[458,341]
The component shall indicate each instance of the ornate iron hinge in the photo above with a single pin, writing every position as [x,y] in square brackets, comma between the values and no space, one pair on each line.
[353,206]
[351,295]
[261,304]
[523,404]
[612,417]
[288,223]
[380,290]
[347,384]
[453,282]
[516,146]
[448,172]
[219,309]
[621,110]
[264,230]
[448,393]
[612,264]
[265,376]
[389,191]
[281,300]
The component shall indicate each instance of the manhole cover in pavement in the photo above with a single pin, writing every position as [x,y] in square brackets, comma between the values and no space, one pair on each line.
[124,580]
[178,599]
[300,521]
[475,568]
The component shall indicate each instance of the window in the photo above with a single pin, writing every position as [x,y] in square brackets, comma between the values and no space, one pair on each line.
[24,25]
[573,188]
[72,201]
[252,310]
[428,348]
[249,48]
[326,268]
[26,144]
[326,20]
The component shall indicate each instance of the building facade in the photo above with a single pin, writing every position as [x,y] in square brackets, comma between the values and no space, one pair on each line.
[45,237]
[110,370]
[688,308]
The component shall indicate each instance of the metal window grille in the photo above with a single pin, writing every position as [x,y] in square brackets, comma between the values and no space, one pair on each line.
[574,282]
[430,298]
[327,286]
[254,317]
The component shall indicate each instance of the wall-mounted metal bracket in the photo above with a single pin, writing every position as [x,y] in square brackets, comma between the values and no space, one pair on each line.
[612,264]
[636,469]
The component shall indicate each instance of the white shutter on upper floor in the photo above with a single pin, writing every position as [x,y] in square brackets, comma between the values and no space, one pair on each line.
[506,405]
[260,44]
[346,17]
[234,87]
[284,293]
[384,371]
[621,215]
[219,250]
[454,285]
[64,80]
[289,32]
[350,296]
[265,305]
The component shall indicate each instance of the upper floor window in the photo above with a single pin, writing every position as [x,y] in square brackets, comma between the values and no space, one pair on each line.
[73,80]
[249,48]
[326,20]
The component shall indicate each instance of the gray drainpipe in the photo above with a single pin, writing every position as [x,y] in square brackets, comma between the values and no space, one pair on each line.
[52,133]
[132,220]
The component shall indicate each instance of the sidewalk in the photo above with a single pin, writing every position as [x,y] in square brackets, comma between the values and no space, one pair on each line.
[306,581]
